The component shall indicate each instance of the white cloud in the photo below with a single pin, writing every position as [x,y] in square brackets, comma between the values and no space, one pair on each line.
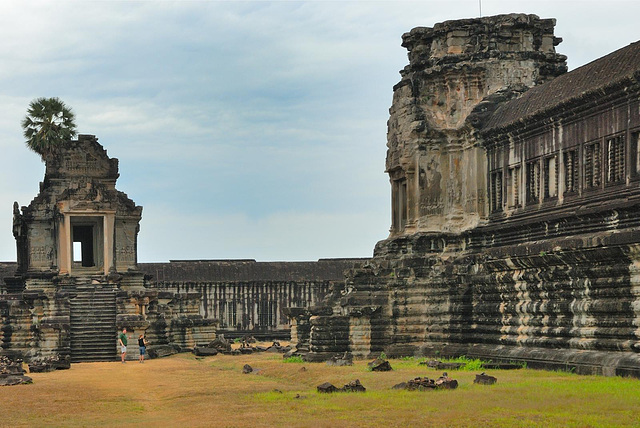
[245,129]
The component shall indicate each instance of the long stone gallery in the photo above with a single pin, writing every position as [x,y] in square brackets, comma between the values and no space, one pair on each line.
[514,236]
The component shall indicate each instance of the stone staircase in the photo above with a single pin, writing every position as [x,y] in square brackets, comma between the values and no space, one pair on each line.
[93,324]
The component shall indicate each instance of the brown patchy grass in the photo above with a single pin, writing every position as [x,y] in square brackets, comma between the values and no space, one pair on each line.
[189,391]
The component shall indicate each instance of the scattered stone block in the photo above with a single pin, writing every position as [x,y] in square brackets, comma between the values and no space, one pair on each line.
[354,386]
[340,360]
[484,379]
[220,344]
[290,353]
[159,351]
[12,373]
[326,388]
[424,384]
[445,382]
[379,365]
[248,340]
[246,369]
[202,351]
[421,383]
[49,364]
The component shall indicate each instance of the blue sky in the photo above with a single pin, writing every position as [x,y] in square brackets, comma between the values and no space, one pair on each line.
[244,129]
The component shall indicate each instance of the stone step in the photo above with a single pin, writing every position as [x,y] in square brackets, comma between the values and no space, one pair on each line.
[96,346]
[93,323]
[93,331]
[91,296]
[93,358]
[103,319]
[96,359]
[95,314]
[87,339]
[104,334]
[93,351]
[92,302]
[106,342]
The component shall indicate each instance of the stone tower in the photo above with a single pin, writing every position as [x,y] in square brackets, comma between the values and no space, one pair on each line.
[413,291]
[436,166]
[79,224]
[77,280]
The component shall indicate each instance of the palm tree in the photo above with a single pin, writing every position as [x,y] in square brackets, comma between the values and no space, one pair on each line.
[49,124]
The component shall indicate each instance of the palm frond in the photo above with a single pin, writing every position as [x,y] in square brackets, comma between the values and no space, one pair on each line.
[49,124]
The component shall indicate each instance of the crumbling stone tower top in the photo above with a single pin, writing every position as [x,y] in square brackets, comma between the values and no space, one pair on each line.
[436,165]
[79,224]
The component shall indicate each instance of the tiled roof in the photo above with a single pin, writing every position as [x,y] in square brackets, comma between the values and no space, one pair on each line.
[597,75]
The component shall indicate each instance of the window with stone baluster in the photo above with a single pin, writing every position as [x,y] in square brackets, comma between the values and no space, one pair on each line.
[615,159]
[533,182]
[592,165]
[570,158]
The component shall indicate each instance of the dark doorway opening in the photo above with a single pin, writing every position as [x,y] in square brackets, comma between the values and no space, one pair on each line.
[84,235]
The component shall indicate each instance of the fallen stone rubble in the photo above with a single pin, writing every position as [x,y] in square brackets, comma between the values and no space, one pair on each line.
[485,379]
[424,383]
[49,364]
[380,365]
[222,346]
[12,373]
[341,360]
[353,386]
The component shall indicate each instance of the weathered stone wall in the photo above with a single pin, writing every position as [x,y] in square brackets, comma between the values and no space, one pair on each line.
[7,269]
[551,280]
[436,165]
[249,297]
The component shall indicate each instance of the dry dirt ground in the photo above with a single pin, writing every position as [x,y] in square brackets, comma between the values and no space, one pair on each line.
[184,390]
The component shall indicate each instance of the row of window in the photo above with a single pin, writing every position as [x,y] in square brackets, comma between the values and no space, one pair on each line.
[266,311]
[542,179]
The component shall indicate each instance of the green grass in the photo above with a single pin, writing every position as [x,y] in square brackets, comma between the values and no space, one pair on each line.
[470,364]
[184,391]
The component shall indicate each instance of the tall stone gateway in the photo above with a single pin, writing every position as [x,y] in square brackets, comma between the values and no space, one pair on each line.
[77,282]
[514,208]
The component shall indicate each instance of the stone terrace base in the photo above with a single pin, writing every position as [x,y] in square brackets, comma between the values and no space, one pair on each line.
[576,361]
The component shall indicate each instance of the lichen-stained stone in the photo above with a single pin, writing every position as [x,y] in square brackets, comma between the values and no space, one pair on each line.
[515,207]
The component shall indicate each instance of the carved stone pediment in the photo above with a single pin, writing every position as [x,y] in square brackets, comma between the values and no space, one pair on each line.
[82,158]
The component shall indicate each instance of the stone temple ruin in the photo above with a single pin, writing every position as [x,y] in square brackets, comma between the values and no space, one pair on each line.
[515,230]
[516,208]
[76,281]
